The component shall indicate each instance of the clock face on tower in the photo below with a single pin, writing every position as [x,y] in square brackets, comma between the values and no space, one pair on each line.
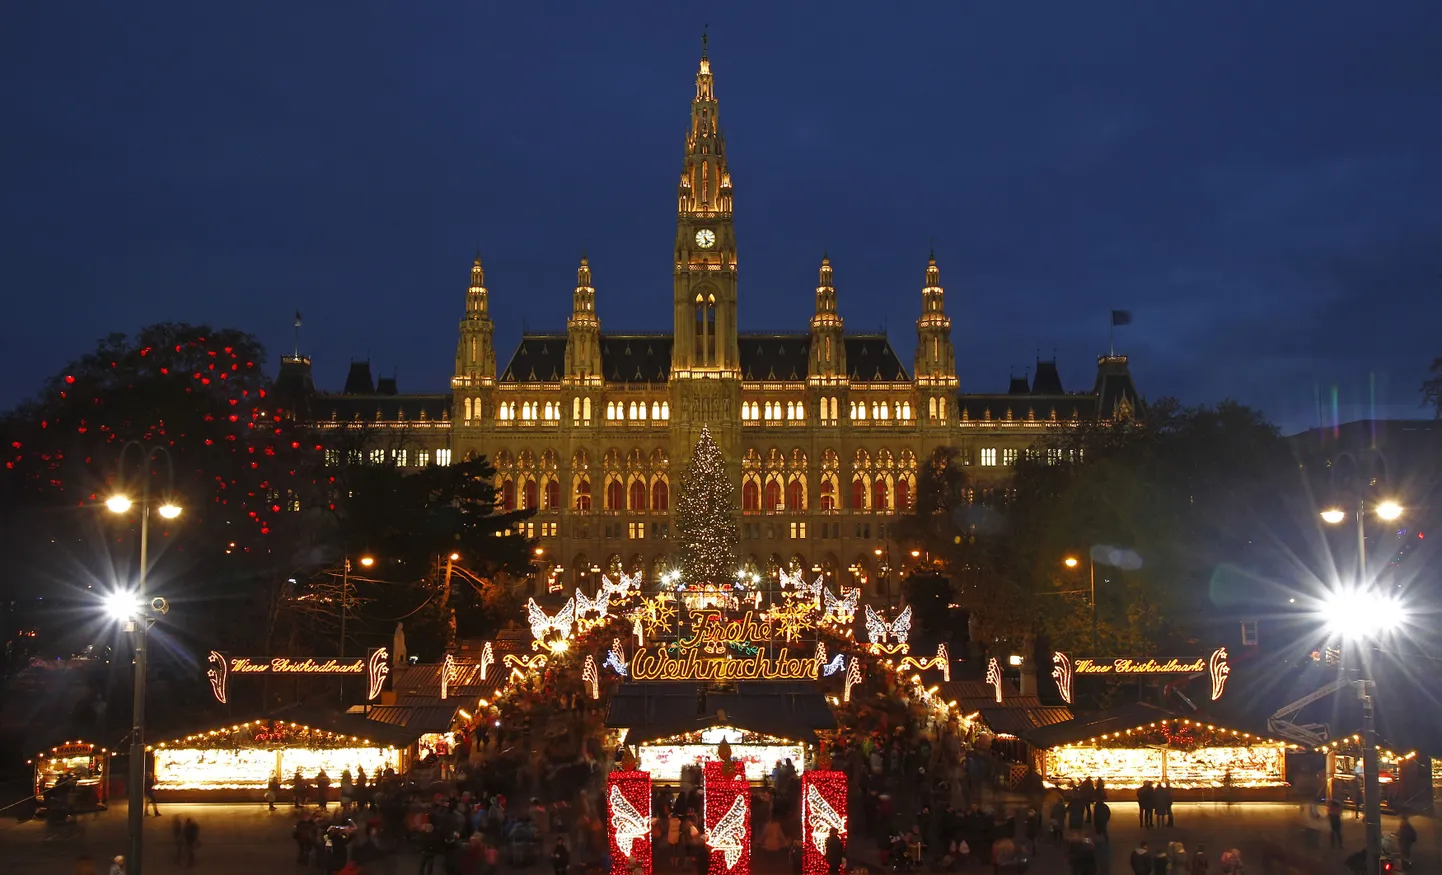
[705,238]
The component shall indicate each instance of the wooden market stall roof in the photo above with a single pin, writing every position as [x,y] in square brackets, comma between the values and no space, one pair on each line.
[661,710]
[323,719]
[417,718]
[1124,719]
[1015,714]
[420,684]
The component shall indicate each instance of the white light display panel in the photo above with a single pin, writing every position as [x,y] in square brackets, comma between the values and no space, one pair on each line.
[1118,766]
[217,769]
[373,759]
[664,761]
[1255,766]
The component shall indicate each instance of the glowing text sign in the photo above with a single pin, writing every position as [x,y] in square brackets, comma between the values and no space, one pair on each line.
[1124,665]
[286,665]
[705,655]
[375,667]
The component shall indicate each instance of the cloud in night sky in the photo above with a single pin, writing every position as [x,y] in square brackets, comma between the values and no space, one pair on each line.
[1258,183]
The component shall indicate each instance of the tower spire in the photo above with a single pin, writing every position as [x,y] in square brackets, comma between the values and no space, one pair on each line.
[935,357]
[583,330]
[475,351]
[828,345]
[705,38]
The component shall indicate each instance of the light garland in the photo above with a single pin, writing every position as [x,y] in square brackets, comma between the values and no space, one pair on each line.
[841,610]
[728,818]
[941,660]
[616,658]
[823,808]
[628,821]
[1061,672]
[889,638]
[666,760]
[488,658]
[993,677]
[591,677]
[853,677]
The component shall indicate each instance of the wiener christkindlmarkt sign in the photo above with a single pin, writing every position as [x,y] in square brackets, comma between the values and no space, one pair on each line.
[1216,667]
[722,649]
[374,666]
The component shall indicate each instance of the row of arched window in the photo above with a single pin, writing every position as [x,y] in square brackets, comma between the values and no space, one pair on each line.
[752,411]
[528,410]
[828,409]
[882,410]
[636,410]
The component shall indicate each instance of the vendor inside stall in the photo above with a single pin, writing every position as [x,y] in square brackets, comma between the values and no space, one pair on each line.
[72,776]
[1404,778]
[237,761]
[1199,760]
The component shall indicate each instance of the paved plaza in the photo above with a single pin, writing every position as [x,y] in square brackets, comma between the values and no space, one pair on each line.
[245,839]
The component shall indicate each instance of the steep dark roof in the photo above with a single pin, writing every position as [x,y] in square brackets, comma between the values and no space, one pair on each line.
[1114,388]
[358,381]
[420,685]
[386,386]
[646,358]
[652,711]
[416,718]
[1047,380]
[380,408]
[1080,729]
[1018,387]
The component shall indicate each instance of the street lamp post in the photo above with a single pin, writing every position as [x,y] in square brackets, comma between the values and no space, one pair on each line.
[1073,562]
[133,609]
[1366,685]
[366,562]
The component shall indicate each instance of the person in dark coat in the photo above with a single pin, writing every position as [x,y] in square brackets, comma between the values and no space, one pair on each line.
[560,858]
[1334,820]
[1141,860]
[834,853]
[1406,837]
[1087,793]
[1075,813]
[1101,819]
[322,786]
[1146,798]
[1164,805]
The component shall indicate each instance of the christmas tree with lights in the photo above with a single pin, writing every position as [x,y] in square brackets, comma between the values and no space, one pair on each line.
[706,517]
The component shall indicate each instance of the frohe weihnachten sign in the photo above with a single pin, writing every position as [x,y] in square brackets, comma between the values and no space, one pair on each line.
[705,655]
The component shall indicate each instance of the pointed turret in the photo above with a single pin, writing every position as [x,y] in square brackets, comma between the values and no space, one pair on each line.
[475,354]
[583,331]
[935,358]
[828,348]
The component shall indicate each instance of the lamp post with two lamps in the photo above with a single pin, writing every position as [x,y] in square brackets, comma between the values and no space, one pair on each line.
[366,562]
[137,614]
[1072,562]
[1364,614]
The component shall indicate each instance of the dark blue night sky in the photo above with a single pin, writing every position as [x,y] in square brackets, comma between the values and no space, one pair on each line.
[1258,182]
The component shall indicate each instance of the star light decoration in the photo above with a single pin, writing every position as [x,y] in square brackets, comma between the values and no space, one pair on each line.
[1061,672]
[488,658]
[993,676]
[791,619]
[544,626]
[658,613]
[889,638]
[823,809]
[853,677]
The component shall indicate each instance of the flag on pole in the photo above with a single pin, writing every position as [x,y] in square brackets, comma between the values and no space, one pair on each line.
[1119,317]
[297,317]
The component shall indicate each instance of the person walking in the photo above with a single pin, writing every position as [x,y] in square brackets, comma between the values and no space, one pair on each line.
[272,789]
[299,789]
[1406,838]
[1101,819]
[117,866]
[1334,820]
[1200,863]
[304,836]
[1164,805]
[177,835]
[150,792]
[191,834]
[1087,793]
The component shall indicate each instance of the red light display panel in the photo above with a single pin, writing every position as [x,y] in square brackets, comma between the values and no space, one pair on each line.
[823,807]
[728,819]
[628,821]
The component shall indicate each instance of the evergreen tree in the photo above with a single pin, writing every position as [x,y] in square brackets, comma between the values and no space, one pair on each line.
[706,517]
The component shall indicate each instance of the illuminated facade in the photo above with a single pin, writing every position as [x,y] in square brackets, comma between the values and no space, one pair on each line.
[826,429]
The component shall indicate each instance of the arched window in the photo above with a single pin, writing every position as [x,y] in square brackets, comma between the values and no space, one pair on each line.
[638,495]
[641,411]
[631,414]
[828,495]
[575,409]
[660,495]
[931,407]
[884,413]
[615,496]
[903,495]
[905,410]
[583,495]
[879,495]
[468,410]
[610,410]
[750,496]
[553,494]
[773,495]
[508,494]
[800,410]
[665,410]
[858,494]
[941,408]
[530,495]
[655,410]
[790,410]
[768,410]
[586,409]
[795,495]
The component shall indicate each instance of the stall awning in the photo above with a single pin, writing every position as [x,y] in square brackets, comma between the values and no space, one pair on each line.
[1015,714]
[339,723]
[653,711]
[421,684]
[416,718]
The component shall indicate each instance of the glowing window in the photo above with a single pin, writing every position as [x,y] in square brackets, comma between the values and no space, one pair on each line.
[443,456]
[988,457]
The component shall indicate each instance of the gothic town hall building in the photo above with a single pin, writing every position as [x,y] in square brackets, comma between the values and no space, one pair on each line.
[825,428]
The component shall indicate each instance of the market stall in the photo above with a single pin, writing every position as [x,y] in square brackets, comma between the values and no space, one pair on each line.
[73,775]
[236,761]
[1200,760]
[1406,779]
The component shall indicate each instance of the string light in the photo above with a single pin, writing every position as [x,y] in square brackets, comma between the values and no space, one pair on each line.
[728,817]
[628,821]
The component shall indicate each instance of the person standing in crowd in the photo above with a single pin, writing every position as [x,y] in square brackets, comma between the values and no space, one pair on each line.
[272,789]
[150,791]
[1406,838]
[1164,804]
[1141,860]
[1146,798]
[1334,820]
[834,853]
[1087,793]
[560,858]
[304,835]
[1101,819]
[322,787]
[299,789]
[177,835]
[1200,863]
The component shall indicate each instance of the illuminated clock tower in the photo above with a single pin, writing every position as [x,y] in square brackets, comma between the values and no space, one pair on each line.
[705,360]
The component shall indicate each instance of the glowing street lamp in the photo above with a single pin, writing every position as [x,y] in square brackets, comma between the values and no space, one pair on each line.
[118,503]
[367,561]
[1071,562]
[122,606]
[1333,515]
[1389,511]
